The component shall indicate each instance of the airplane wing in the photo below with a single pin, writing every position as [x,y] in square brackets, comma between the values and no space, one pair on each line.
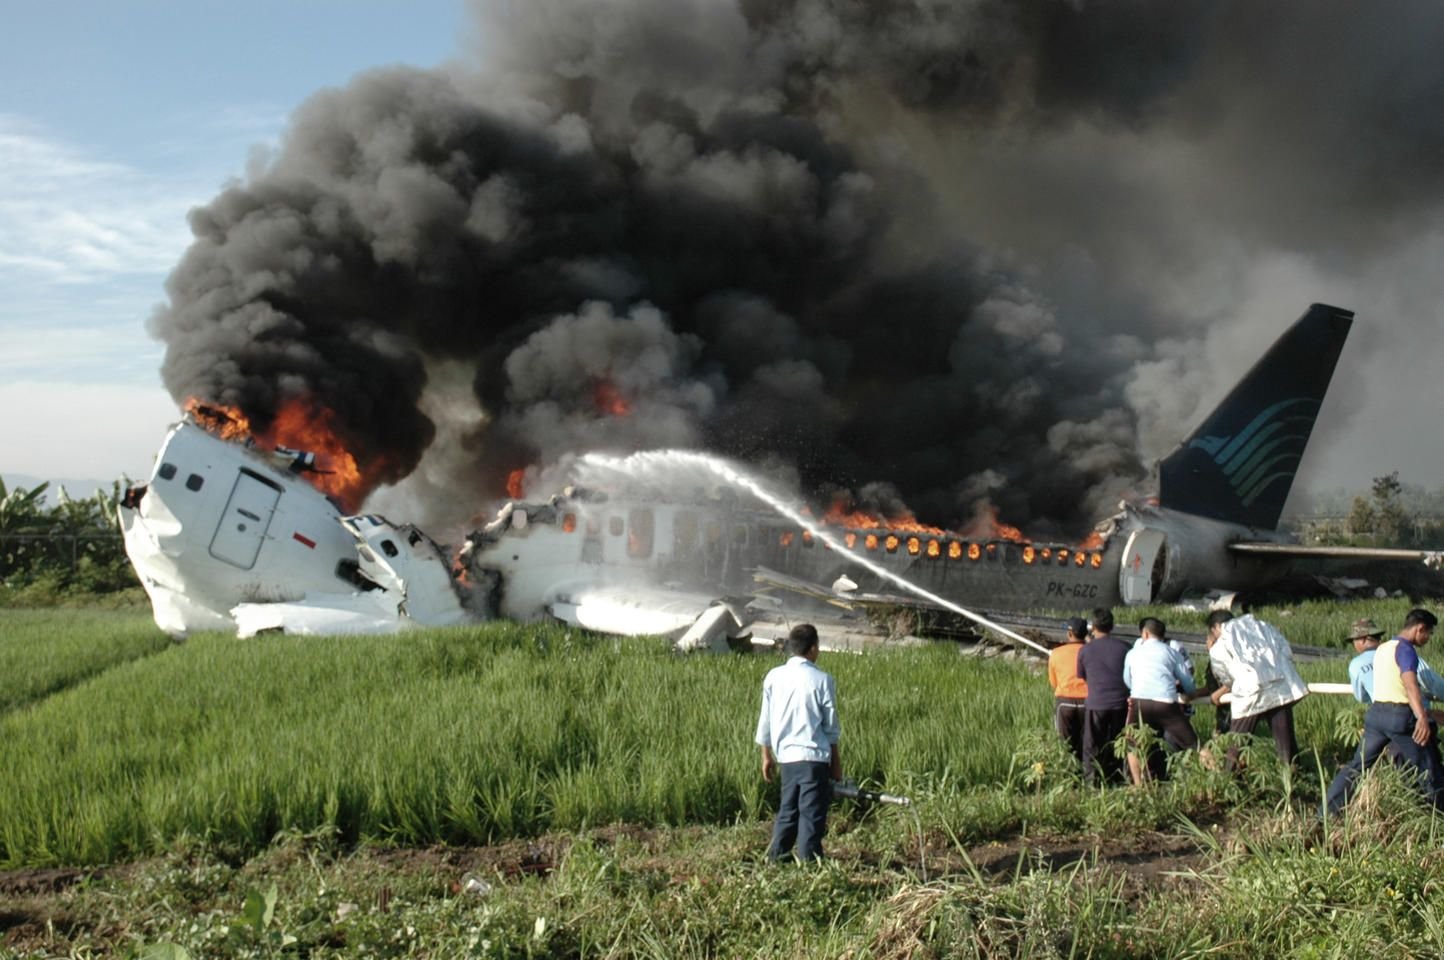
[696,620]
[1431,558]
[850,599]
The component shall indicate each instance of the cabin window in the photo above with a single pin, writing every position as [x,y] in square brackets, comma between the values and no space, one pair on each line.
[389,548]
[684,533]
[166,471]
[640,530]
[739,535]
[616,526]
[807,538]
[195,481]
[713,530]
[890,544]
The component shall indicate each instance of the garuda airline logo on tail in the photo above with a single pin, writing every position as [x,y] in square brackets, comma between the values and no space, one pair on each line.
[1266,451]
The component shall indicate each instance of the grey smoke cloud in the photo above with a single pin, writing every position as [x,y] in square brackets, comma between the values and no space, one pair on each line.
[930,252]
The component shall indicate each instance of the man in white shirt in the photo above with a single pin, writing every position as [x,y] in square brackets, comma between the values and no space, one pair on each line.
[1254,663]
[798,732]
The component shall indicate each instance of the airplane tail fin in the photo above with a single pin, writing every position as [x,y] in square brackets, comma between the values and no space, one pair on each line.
[1239,465]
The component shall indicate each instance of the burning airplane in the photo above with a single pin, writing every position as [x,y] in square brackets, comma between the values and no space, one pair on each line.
[240,531]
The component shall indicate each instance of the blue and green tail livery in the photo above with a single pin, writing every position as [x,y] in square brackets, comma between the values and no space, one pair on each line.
[1239,465]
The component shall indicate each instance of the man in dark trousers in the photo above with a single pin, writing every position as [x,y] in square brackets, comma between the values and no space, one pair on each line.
[1069,692]
[1100,665]
[1398,717]
[798,732]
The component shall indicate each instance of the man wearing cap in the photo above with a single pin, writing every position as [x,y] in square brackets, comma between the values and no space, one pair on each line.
[1397,716]
[1069,690]
[1105,707]
[1366,636]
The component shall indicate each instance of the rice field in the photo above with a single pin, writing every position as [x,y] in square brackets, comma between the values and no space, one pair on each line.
[117,742]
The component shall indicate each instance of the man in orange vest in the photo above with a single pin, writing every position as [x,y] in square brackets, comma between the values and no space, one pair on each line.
[1068,688]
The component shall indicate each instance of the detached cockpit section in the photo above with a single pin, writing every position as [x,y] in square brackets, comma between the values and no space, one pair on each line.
[228,536]
[409,567]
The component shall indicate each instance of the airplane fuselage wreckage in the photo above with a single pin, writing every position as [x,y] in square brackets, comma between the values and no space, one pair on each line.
[227,535]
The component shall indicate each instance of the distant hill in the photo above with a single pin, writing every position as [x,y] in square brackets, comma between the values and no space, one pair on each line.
[78,487]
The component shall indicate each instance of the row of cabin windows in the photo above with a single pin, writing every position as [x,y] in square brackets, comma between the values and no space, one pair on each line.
[167,471]
[639,526]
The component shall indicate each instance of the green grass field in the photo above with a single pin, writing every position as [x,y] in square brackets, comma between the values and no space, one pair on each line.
[197,782]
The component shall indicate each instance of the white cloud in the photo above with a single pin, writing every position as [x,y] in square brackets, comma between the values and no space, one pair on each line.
[67,217]
[95,430]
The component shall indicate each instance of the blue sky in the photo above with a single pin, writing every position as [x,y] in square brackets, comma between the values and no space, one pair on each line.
[115,119]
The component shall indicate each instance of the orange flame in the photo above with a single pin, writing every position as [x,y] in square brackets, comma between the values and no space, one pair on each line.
[300,424]
[840,515]
[1094,541]
[986,526]
[514,487]
[609,399]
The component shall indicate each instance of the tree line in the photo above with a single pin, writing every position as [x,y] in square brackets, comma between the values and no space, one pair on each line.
[1390,514]
[68,545]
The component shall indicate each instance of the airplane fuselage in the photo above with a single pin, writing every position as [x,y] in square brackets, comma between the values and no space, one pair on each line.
[1151,555]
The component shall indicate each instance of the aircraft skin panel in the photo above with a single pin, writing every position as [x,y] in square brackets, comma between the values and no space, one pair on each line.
[247,517]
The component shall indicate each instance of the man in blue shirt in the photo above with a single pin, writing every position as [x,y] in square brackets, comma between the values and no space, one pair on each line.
[798,732]
[1366,637]
[1398,716]
[1155,675]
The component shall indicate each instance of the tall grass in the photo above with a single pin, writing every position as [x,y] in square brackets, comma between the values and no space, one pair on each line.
[42,652]
[478,733]
[460,735]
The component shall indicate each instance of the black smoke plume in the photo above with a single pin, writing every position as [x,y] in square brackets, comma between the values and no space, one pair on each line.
[943,247]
